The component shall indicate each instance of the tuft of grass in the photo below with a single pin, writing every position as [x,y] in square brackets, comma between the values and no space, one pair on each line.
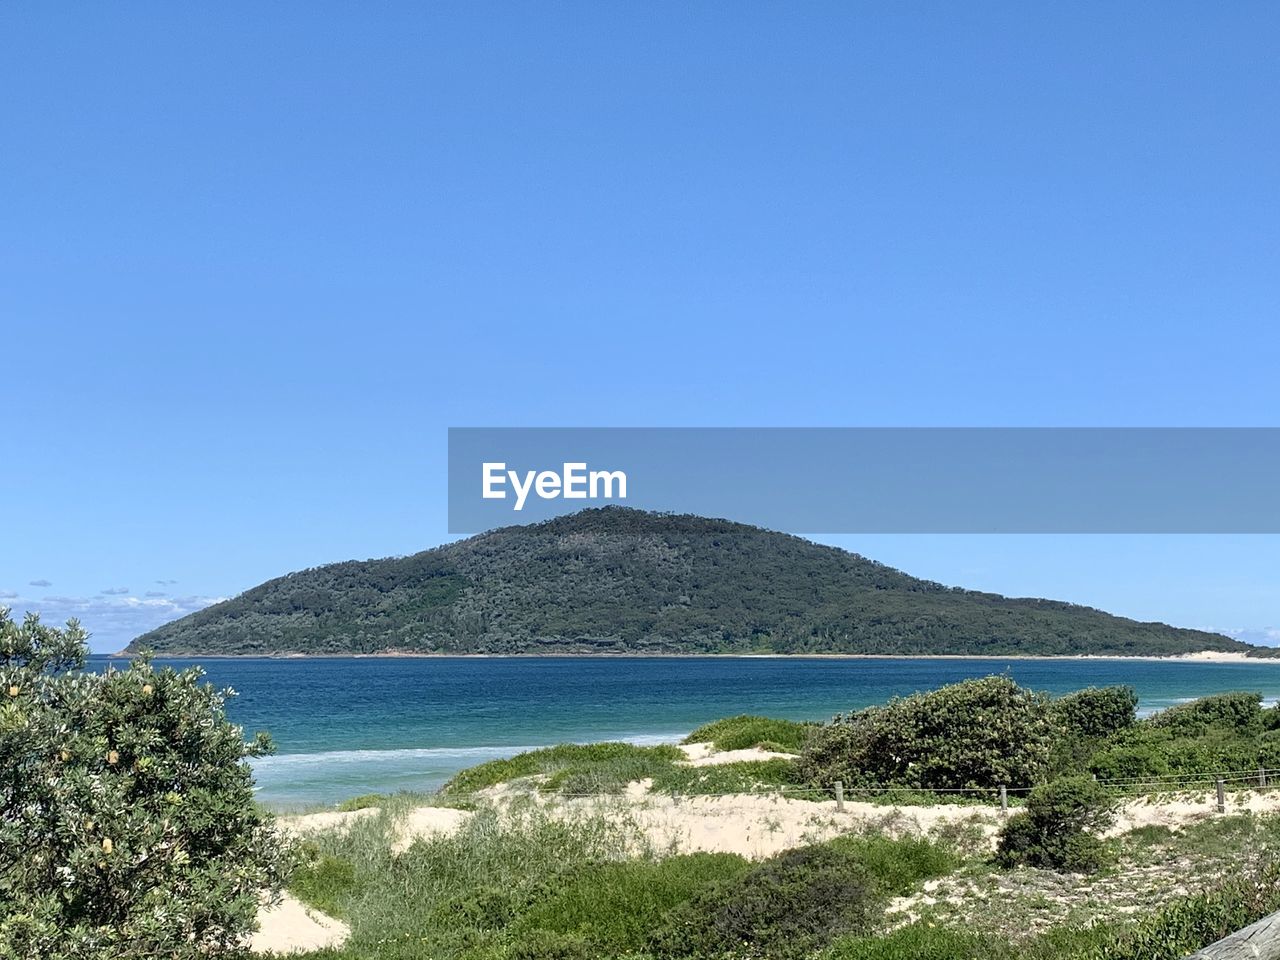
[745,731]
[362,802]
[454,896]
[610,908]
[748,777]
[571,768]
[920,941]
[323,880]
[897,865]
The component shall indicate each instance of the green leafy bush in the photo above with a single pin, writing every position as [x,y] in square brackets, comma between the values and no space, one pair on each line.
[785,907]
[127,821]
[898,864]
[1058,829]
[1241,712]
[1226,732]
[1096,712]
[742,732]
[979,733]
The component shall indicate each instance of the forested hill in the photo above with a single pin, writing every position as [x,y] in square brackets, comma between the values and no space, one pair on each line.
[616,580]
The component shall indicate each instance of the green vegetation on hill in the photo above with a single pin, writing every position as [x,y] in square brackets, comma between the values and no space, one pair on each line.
[616,580]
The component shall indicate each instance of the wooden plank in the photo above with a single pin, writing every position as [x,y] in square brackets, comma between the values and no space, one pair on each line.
[1261,941]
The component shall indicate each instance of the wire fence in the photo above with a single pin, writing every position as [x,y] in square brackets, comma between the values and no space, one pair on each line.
[1220,781]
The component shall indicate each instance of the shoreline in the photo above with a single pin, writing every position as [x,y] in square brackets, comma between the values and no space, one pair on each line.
[1201,656]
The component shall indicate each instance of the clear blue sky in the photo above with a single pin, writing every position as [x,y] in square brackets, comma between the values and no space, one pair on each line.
[255,258]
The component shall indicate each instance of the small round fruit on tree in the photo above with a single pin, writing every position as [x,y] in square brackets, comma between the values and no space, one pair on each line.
[97,860]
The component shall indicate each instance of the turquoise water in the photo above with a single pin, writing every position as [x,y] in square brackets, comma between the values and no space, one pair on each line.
[346,726]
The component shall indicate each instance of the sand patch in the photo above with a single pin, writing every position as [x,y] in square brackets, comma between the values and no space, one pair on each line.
[427,822]
[303,824]
[756,826]
[705,755]
[292,927]
[1182,809]
[420,822]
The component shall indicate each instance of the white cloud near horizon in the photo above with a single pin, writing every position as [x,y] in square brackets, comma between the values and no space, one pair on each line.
[1263,636]
[111,619]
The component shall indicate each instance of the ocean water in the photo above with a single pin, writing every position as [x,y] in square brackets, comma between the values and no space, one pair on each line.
[346,726]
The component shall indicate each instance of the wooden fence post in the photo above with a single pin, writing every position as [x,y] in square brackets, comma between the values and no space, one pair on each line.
[1222,798]
[839,796]
[1262,775]
[1004,801]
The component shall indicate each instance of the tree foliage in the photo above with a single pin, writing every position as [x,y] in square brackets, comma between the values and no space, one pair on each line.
[127,821]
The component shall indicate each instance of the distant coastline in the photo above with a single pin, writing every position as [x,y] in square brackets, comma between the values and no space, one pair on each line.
[1202,656]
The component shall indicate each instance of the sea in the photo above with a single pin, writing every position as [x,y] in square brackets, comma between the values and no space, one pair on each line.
[350,726]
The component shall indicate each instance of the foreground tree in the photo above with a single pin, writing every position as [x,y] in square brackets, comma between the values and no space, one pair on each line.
[127,821]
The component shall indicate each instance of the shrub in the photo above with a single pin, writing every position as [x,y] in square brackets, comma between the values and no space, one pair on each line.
[1057,830]
[801,899]
[979,733]
[1241,712]
[1096,712]
[1131,761]
[897,865]
[1212,734]
[742,732]
[127,821]
[786,906]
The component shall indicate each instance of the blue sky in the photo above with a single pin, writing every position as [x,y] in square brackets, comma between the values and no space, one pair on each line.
[255,259]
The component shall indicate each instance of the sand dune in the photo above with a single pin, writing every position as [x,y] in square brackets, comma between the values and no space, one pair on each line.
[751,825]
[291,927]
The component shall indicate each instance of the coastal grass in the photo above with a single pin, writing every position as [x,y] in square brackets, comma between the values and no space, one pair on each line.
[750,776]
[570,769]
[746,731]
[529,879]
[612,908]
[522,884]
[450,896]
